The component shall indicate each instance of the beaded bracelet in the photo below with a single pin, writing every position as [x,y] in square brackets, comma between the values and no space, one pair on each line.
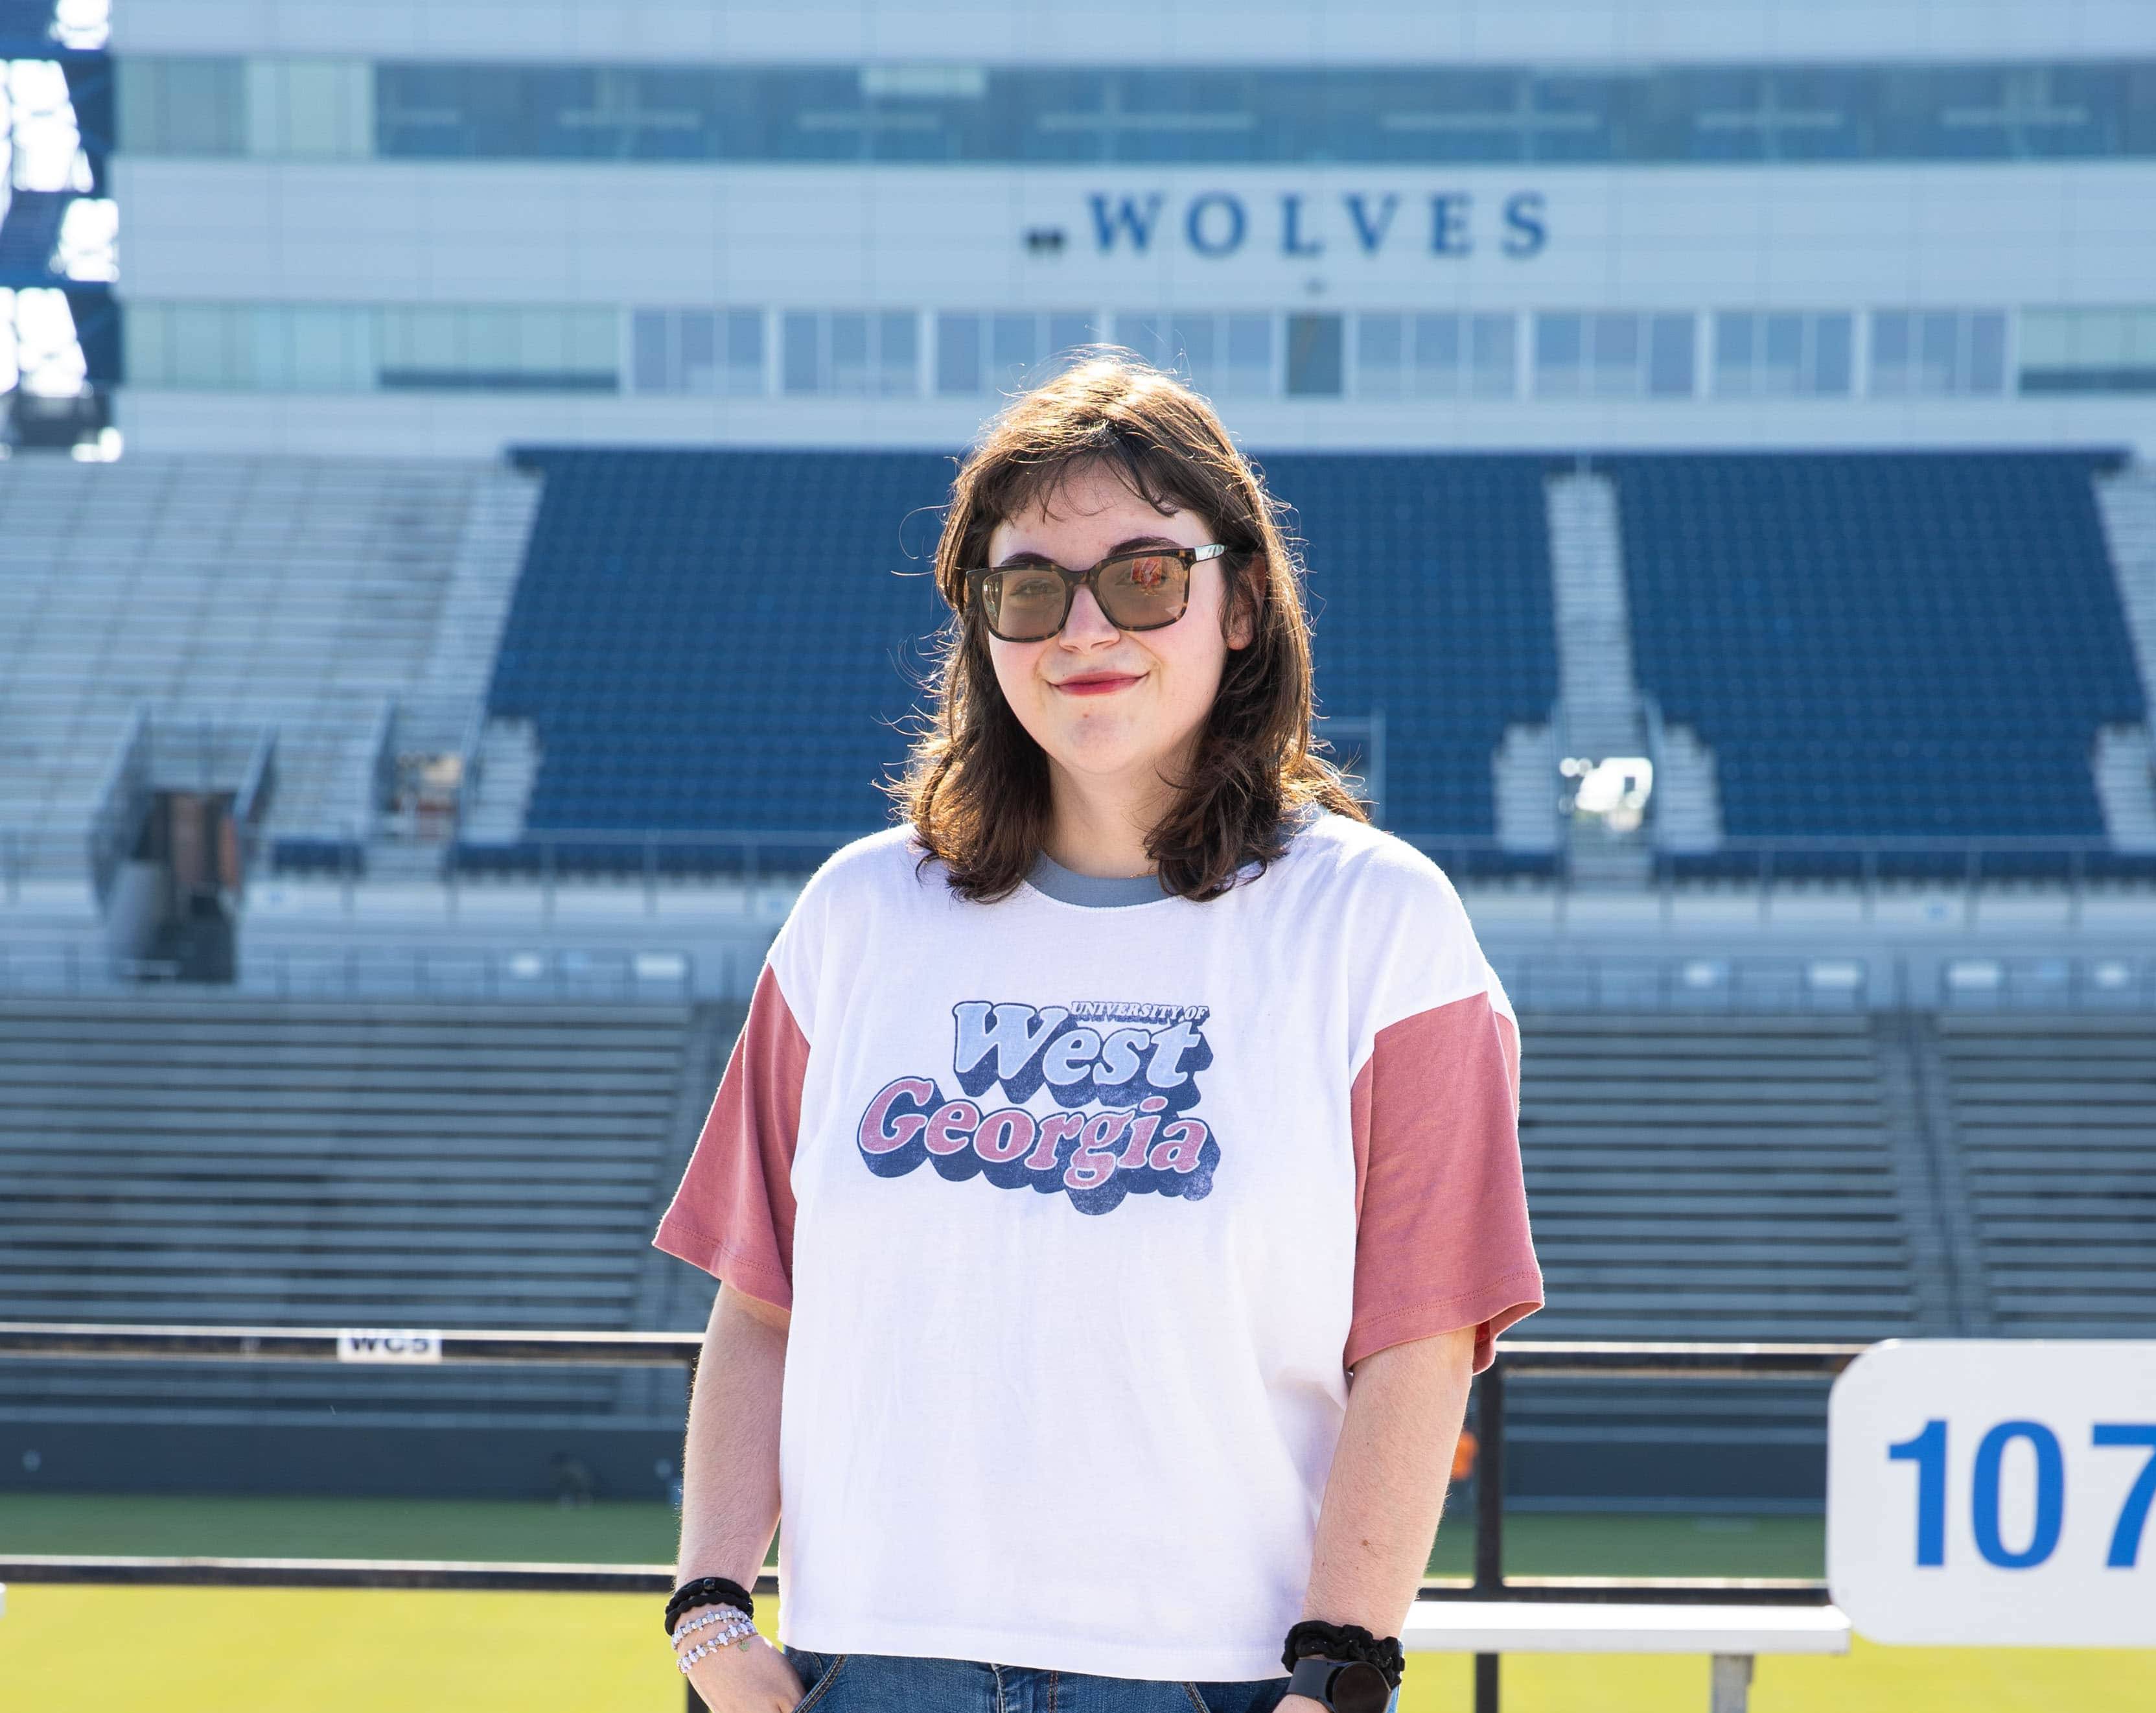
[720,1614]
[712,1644]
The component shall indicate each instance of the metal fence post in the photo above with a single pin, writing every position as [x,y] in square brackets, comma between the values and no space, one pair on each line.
[695,1704]
[1489,1516]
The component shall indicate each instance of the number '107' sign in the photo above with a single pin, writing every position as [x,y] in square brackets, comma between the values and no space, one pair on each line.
[1995,1491]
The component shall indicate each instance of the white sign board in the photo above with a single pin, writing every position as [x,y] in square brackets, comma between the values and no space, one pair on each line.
[388,1345]
[1995,1491]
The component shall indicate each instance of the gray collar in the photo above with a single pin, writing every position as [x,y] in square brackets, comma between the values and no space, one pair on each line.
[1108,891]
[1099,890]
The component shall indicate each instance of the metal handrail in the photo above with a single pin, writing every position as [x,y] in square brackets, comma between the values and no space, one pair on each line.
[90,1340]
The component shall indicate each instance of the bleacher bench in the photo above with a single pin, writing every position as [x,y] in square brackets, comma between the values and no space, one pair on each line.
[1732,1635]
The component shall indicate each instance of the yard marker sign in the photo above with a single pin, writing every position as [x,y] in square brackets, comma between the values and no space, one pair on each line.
[1995,1492]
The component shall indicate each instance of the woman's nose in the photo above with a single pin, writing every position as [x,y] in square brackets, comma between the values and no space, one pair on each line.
[1087,623]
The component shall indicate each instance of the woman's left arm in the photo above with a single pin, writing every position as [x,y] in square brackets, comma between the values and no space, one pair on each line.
[1387,1487]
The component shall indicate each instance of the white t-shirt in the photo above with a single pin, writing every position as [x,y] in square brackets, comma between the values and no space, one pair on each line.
[1083,1215]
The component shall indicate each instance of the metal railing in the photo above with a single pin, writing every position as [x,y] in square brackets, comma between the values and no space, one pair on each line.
[348,970]
[42,1340]
[1876,868]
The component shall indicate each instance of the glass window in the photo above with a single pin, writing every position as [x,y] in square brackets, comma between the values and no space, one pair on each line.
[1013,347]
[1399,114]
[511,341]
[957,354]
[592,342]
[1937,352]
[182,107]
[849,339]
[1782,353]
[898,356]
[1890,352]
[801,366]
[1781,356]
[1497,356]
[1249,370]
[1314,350]
[2088,351]
[1830,355]
[146,340]
[1938,349]
[1190,339]
[1616,357]
[744,372]
[1671,340]
[700,350]
[651,351]
[1378,357]
[1559,349]
[1143,334]
[1067,331]
[205,350]
[1732,354]
[331,350]
[1986,371]
[1436,371]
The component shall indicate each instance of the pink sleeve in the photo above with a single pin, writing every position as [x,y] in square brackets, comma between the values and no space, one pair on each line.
[733,1214]
[1441,1203]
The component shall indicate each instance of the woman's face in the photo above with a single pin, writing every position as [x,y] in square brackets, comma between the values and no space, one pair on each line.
[1117,707]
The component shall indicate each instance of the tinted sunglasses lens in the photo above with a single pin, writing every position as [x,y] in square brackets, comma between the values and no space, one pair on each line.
[1024,604]
[1144,590]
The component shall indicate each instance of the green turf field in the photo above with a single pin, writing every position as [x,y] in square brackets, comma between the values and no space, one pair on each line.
[71,1649]
[1536,1544]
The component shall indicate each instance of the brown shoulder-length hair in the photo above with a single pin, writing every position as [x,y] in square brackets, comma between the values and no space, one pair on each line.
[975,785]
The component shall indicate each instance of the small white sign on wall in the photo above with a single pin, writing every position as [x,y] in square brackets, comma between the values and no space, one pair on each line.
[1995,1492]
[388,1345]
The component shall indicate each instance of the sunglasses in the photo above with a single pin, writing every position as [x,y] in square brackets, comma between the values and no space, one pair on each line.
[1142,590]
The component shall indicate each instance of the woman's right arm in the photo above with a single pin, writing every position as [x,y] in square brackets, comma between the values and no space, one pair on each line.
[730,1490]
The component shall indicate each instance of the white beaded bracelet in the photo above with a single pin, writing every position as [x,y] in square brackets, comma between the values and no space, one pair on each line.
[717,1614]
[712,1644]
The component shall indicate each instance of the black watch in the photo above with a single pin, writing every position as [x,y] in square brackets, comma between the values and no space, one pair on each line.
[1345,1685]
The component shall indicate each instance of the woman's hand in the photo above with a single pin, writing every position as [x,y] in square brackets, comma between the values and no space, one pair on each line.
[758,1678]
[1300,1704]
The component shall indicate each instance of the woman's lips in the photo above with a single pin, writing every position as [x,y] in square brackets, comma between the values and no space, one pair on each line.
[1096,686]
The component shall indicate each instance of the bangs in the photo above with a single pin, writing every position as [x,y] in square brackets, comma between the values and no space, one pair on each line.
[1034,476]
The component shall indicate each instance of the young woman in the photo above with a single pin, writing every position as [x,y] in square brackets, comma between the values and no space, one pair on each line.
[1117,1173]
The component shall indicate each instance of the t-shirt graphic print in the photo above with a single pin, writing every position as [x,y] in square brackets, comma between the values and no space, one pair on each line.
[1122,1079]
[1085,1217]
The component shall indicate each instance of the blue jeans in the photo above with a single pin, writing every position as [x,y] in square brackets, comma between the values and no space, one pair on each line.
[893,1683]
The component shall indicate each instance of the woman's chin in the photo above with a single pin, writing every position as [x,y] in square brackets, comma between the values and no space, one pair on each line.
[1101,754]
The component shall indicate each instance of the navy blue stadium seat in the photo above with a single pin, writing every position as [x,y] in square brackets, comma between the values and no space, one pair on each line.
[1429,598]
[1882,645]
[720,640]
[730,640]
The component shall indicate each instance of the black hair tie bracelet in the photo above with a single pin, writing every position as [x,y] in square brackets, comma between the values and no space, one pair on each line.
[708,1591]
[1346,1642]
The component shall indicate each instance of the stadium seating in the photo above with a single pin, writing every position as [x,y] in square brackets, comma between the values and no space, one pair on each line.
[2054,1128]
[1429,596]
[1918,644]
[721,640]
[211,1159]
[728,639]
[1713,1178]
[296,594]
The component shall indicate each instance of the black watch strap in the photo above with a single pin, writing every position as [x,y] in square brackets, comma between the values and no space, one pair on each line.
[1346,1685]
